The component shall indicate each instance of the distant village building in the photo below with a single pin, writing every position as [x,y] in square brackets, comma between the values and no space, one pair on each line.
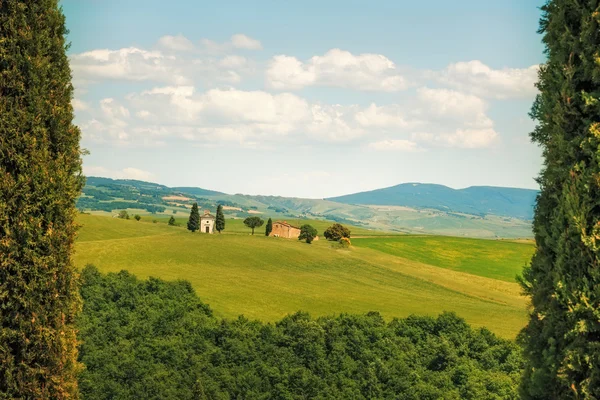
[207,222]
[285,230]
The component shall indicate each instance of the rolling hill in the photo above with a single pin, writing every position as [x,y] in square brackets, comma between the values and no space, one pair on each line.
[483,212]
[267,278]
[477,200]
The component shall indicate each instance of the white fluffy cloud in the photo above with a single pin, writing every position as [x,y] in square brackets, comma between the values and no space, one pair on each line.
[237,41]
[152,117]
[130,64]
[80,105]
[125,173]
[376,72]
[174,61]
[401,145]
[176,43]
[172,107]
[461,138]
[336,68]
[391,116]
[240,41]
[477,78]
[446,105]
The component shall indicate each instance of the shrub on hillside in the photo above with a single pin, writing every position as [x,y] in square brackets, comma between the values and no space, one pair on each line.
[137,217]
[336,231]
[345,242]
[123,214]
[155,339]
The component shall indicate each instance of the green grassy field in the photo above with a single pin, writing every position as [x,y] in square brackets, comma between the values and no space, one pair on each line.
[488,258]
[267,278]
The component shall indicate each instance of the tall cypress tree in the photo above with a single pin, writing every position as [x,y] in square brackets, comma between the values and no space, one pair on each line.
[562,339]
[194,220]
[220,219]
[269,227]
[40,180]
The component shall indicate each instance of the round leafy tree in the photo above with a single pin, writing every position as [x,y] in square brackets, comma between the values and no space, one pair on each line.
[253,223]
[308,233]
[336,232]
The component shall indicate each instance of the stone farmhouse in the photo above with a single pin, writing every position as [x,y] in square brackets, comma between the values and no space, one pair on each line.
[207,222]
[285,230]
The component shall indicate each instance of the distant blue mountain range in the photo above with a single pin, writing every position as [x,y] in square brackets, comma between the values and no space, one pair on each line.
[508,202]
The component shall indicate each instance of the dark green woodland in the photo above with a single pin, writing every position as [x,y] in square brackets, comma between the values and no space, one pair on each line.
[153,339]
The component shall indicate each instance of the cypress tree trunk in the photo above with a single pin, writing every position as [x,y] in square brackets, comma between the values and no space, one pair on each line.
[40,180]
[562,339]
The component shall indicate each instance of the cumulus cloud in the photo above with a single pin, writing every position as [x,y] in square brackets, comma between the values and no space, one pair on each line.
[130,64]
[401,145]
[175,60]
[392,116]
[80,105]
[125,173]
[336,68]
[241,41]
[452,106]
[461,138]
[154,116]
[477,78]
[376,72]
[237,41]
[176,43]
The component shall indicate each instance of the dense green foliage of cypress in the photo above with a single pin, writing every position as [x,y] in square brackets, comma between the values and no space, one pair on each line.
[156,340]
[308,233]
[194,220]
[269,227]
[40,180]
[562,339]
[220,219]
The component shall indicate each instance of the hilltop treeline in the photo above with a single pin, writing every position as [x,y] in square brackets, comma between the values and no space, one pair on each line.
[156,340]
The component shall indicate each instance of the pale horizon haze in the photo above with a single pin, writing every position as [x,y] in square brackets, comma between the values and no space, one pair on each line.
[307,99]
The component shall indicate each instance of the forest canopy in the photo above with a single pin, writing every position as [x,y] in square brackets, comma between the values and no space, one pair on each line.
[154,339]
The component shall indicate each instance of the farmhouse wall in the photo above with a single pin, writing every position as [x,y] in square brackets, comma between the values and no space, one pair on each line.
[285,230]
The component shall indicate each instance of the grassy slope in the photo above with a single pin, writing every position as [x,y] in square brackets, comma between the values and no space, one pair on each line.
[267,278]
[488,258]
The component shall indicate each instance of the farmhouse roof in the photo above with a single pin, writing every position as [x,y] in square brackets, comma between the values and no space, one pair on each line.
[284,223]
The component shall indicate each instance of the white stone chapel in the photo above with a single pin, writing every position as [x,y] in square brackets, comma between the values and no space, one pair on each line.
[207,222]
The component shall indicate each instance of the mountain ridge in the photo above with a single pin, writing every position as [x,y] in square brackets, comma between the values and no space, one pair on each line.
[477,200]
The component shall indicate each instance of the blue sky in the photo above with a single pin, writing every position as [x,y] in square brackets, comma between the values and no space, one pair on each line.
[307,99]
